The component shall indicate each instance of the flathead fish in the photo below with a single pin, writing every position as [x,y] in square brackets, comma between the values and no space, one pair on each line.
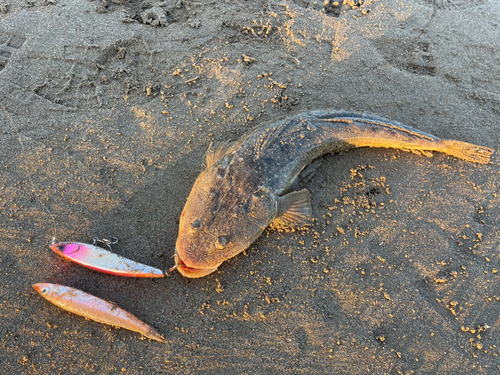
[246,185]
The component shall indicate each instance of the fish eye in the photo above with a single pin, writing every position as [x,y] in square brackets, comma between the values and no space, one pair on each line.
[44,290]
[194,227]
[196,224]
[221,242]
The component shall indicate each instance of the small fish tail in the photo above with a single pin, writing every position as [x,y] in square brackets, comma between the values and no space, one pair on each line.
[153,334]
[467,151]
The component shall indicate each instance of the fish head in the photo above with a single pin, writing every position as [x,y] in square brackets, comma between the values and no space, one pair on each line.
[221,218]
[45,289]
[64,248]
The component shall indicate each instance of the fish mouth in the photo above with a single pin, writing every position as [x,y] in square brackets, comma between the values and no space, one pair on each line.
[38,287]
[42,288]
[190,272]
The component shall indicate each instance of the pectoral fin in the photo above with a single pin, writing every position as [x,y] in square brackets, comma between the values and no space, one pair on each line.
[294,208]
[216,152]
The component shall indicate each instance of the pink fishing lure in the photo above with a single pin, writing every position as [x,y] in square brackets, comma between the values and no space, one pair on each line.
[105,261]
[84,304]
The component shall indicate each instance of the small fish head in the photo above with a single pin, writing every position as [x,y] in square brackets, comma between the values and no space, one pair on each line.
[63,248]
[221,218]
[44,289]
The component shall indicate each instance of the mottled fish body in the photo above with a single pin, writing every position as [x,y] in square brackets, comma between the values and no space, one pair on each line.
[246,184]
[94,308]
[105,261]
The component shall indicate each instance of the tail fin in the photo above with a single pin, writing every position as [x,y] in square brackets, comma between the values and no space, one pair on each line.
[467,151]
[153,334]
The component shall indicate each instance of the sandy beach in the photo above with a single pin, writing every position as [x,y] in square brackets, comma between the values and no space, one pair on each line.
[107,109]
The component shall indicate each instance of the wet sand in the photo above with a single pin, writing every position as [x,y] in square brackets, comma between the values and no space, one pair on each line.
[106,112]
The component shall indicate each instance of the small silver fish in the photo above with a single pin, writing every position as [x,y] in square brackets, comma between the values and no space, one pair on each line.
[94,308]
[246,184]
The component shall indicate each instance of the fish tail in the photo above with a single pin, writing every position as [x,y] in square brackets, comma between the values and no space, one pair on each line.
[366,130]
[153,334]
[467,151]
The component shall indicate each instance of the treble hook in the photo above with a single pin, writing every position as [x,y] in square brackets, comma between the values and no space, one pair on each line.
[105,241]
[174,267]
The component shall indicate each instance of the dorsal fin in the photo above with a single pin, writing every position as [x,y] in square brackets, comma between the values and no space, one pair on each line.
[216,151]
